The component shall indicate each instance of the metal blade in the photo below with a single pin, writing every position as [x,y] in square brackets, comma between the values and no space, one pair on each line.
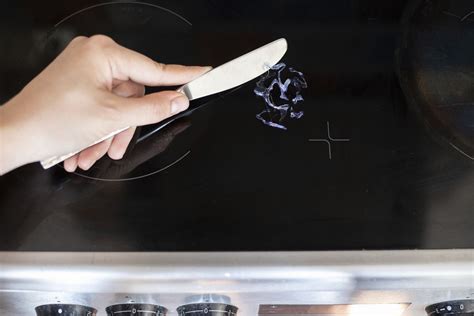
[237,71]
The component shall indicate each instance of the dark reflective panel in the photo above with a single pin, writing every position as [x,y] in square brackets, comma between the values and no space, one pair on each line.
[437,70]
[359,170]
[153,30]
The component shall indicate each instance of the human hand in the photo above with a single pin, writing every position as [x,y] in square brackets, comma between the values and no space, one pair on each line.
[93,88]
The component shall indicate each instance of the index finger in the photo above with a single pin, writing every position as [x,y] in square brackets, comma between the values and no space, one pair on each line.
[127,64]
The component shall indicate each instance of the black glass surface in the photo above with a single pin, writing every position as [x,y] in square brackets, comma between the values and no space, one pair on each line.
[360,170]
[436,68]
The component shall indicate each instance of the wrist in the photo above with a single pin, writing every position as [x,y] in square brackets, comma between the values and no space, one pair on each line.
[12,147]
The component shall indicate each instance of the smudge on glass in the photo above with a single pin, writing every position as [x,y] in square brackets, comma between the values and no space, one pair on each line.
[281,90]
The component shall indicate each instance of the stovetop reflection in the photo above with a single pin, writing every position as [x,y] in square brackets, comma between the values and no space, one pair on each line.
[135,163]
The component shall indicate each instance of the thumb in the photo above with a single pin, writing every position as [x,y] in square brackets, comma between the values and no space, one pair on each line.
[152,108]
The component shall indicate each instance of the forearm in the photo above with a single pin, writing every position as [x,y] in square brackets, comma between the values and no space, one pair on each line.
[11,145]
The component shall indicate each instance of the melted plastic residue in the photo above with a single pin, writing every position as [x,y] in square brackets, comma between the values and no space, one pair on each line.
[282,96]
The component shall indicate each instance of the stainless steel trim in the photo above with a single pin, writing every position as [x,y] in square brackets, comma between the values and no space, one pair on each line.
[248,278]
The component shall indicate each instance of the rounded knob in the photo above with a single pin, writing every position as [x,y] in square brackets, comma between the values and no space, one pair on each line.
[65,310]
[207,309]
[449,308]
[136,309]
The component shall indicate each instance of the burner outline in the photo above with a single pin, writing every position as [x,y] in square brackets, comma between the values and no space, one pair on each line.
[149,134]
[329,140]
[138,177]
[123,2]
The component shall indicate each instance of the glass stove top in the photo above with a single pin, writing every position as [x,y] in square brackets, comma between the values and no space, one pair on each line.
[358,171]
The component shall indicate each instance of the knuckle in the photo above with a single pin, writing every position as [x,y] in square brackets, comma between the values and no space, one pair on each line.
[94,51]
[97,44]
[78,39]
[160,110]
[101,40]
[160,66]
[160,69]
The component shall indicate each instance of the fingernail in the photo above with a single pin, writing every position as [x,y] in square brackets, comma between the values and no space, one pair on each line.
[179,104]
[69,168]
[86,165]
[117,155]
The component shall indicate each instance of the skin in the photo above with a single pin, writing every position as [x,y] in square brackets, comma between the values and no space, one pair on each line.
[93,88]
